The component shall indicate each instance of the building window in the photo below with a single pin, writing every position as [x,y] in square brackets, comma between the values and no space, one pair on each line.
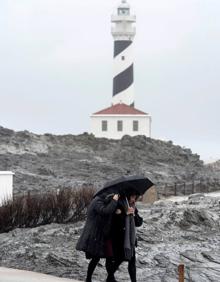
[122,58]
[135,125]
[120,125]
[104,125]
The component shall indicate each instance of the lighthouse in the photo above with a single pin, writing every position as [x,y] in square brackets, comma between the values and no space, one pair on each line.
[122,118]
[123,32]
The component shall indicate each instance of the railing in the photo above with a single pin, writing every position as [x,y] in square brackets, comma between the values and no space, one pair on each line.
[187,188]
[121,18]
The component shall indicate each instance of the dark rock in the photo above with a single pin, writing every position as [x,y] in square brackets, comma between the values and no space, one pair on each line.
[196,196]
[47,162]
[197,217]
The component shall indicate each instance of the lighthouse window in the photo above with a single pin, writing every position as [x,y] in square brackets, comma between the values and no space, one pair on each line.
[135,125]
[104,125]
[123,58]
[123,11]
[120,11]
[120,125]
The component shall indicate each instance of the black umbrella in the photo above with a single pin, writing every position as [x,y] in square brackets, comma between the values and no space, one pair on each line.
[126,184]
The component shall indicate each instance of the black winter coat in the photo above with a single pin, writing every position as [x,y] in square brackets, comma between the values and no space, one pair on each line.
[118,231]
[97,227]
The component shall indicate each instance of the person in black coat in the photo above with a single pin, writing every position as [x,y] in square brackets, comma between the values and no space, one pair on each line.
[126,210]
[94,240]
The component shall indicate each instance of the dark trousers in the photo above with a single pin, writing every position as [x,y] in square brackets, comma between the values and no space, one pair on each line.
[91,267]
[113,264]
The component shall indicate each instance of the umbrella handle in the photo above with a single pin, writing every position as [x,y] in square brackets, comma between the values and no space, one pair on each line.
[127,202]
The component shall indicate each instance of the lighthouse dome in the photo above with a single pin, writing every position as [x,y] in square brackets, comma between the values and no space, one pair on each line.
[124,4]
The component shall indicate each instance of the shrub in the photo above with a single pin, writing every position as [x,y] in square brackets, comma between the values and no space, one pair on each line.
[65,206]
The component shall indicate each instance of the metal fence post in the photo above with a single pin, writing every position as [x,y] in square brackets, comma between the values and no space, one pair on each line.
[181,272]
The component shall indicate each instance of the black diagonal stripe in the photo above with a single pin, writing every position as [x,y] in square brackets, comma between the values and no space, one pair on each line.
[123,80]
[120,46]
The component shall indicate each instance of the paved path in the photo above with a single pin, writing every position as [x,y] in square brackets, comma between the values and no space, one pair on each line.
[13,275]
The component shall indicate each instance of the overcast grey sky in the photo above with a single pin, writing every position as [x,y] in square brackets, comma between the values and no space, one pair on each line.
[56,67]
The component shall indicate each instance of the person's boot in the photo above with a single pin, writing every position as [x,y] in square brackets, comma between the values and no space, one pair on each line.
[88,279]
[111,278]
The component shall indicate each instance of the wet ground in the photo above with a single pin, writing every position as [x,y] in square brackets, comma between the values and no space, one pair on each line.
[175,231]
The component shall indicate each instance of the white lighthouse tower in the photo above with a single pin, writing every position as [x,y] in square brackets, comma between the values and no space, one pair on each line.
[123,33]
[122,118]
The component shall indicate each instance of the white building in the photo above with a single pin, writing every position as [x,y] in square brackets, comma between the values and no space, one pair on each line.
[119,120]
[6,185]
[122,118]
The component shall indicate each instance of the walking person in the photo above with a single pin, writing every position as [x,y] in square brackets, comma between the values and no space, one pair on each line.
[94,240]
[123,235]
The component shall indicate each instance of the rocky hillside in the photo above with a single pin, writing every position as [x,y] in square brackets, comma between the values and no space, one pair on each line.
[173,232]
[43,162]
[215,166]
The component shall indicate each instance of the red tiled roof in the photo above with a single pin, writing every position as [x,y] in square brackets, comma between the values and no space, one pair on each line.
[120,109]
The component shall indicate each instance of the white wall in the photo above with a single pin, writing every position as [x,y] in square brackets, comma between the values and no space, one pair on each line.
[6,185]
[112,133]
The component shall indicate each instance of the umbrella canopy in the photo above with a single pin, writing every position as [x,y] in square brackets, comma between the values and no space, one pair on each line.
[126,184]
